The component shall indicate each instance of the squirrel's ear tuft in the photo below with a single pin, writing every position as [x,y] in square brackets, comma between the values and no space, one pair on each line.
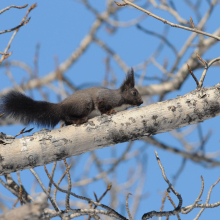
[130,78]
[129,81]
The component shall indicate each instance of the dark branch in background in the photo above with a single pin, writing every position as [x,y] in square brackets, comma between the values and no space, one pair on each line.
[196,157]
[159,36]
[175,177]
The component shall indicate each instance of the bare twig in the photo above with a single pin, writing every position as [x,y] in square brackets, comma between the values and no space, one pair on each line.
[20,195]
[53,202]
[111,211]
[196,201]
[127,207]
[5,54]
[23,131]
[15,203]
[168,213]
[164,39]
[207,200]
[14,188]
[191,72]
[191,20]
[203,61]
[168,22]
[201,159]
[118,4]
[206,69]
[179,171]
[67,203]
[12,6]
[12,29]
[52,174]
[116,57]
[15,32]
[163,202]
[20,188]
[55,191]
[99,200]
[169,198]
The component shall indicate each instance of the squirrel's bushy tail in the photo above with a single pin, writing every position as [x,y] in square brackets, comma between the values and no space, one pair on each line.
[26,110]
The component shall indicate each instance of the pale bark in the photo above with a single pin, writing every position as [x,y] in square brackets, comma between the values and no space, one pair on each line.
[47,146]
[31,211]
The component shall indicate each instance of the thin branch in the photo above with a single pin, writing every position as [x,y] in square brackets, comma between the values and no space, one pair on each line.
[53,202]
[163,202]
[13,185]
[12,29]
[207,200]
[159,36]
[102,196]
[206,69]
[171,10]
[67,202]
[52,174]
[20,188]
[13,6]
[15,32]
[196,201]
[116,57]
[55,191]
[191,72]
[171,201]
[170,23]
[200,159]
[86,199]
[5,54]
[168,213]
[179,171]
[127,207]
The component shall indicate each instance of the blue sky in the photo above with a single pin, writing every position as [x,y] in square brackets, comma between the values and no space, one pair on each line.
[59,26]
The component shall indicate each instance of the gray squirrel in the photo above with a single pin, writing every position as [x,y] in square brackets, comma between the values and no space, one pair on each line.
[76,109]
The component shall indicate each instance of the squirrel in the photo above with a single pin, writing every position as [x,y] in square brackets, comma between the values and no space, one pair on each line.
[76,109]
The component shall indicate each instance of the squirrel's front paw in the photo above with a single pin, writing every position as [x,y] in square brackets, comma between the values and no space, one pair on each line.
[110,112]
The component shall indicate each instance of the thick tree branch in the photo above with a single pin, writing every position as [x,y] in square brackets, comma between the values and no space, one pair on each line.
[48,146]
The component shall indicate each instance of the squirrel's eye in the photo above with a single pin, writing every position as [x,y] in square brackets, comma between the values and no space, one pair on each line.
[134,93]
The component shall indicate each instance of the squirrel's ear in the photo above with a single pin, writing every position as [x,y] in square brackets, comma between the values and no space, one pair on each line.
[129,81]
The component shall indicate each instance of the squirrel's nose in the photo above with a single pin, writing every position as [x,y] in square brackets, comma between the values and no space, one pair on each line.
[140,102]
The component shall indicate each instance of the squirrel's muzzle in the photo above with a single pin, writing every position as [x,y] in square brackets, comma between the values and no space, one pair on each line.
[140,101]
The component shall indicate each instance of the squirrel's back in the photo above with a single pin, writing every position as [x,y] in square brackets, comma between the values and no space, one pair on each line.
[26,110]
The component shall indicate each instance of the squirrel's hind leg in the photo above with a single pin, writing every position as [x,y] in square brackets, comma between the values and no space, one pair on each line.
[110,112]
[105,109]
[80,120]
[76,121]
